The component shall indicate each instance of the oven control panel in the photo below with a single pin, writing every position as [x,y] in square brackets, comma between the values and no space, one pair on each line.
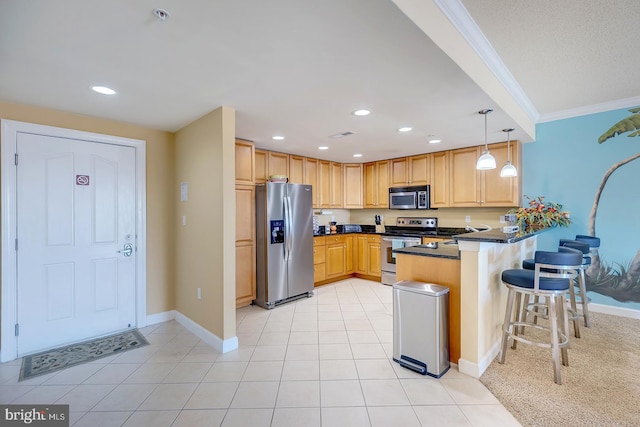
[417,222]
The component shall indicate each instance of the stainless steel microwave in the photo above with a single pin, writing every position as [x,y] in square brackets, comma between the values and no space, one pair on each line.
[414,197]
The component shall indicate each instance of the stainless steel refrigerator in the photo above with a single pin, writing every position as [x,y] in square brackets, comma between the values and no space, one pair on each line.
[284,243]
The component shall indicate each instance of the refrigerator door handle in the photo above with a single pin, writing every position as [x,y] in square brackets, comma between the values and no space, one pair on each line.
[287,226]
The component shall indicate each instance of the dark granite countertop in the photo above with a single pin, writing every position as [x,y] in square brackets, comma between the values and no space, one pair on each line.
[497,236]
[436,250]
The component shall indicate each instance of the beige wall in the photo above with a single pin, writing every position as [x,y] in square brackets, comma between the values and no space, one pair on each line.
[205,256]
[160,190]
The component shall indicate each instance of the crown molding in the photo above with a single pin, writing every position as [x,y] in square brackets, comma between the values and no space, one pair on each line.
[455,11]
[590,109]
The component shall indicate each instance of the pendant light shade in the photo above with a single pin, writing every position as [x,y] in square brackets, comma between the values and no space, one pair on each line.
[486,160]
[508,170]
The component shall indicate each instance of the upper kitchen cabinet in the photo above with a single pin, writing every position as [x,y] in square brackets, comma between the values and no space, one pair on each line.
[296,169]
[311,178]
[352,186]
[337,185]
[324,184]
[277,164]
[412,170]
[270,163]
[465,178]
[261,169]
[440,179]
[471,187]
[244,162]
[331,184]
[496,190]
[376,185]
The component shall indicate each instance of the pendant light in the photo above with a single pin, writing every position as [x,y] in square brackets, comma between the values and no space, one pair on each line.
[508,169]
[486,161]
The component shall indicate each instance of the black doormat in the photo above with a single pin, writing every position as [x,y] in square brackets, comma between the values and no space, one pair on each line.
[75,354]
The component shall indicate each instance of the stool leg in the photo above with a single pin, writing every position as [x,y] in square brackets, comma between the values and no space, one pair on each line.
[583,297]
[524,313]
[518,310]
[563,315]
[555,349]
[574,309]
[506,326]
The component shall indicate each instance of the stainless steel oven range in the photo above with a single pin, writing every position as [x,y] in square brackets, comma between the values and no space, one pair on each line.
[407,232]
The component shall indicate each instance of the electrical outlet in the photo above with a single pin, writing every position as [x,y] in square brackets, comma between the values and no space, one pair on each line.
[503,220]
[199,293]
[184,220]
[467,219]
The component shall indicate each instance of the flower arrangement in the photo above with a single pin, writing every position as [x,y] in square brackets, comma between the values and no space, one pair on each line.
[540,214]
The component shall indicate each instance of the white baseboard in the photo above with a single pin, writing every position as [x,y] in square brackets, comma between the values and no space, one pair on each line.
[165,316]
[477,369]
[223,346]
[616,311]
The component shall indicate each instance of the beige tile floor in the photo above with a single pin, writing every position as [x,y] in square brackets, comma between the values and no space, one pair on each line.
[321,361]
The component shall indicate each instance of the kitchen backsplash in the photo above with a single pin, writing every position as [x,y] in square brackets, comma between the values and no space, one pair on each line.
[449,217]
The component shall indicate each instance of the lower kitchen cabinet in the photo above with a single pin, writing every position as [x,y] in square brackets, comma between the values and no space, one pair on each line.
[368,258]
[245,274]
[336,254]
[319,259]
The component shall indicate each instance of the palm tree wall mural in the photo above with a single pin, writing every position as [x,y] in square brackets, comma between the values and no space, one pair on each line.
[621,283]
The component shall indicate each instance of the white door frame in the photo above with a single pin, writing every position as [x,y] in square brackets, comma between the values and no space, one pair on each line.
[10,129]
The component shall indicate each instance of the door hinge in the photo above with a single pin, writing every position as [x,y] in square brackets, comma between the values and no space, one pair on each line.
[15,159]
[17,329]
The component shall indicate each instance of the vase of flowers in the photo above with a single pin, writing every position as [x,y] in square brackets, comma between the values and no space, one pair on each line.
[541,214]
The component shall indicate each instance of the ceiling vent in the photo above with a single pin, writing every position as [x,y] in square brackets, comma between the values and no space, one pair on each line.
[341,135]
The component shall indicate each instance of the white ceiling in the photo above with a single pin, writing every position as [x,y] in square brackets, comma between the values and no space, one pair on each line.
[299,67]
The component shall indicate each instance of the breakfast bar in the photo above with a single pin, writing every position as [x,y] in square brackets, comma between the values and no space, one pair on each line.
[471,269]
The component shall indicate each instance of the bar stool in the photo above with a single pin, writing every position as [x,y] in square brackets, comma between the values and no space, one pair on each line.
[534,309]
[551,279]
[583,247]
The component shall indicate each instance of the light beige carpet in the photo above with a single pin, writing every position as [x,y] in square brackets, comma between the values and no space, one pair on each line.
[600,387]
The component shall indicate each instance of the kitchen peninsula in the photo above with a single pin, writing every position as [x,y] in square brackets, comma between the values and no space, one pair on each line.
[477,297]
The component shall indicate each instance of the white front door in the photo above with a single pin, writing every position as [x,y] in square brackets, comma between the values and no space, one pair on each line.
[76,240]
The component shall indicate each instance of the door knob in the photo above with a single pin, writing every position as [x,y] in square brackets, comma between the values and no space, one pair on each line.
[128,249]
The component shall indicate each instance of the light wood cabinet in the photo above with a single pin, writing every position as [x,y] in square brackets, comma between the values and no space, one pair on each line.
[319,259]
[433,239]
[368,255]
[399,175]
[376,185]
[311,178]
[471,187]
[245,160]
[352,186]
[348,246]
[245,245]
[465,178]
[496,190]
[277,164]
[296,169]
[261,170]
[440,179]
[336,257]
[337,185]
[412,170]
[324,182]
[419,168]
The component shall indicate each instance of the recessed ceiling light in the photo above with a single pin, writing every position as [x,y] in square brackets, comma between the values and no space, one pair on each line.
[323,148]
[433,139]
[405,129]
[361,113]
[278,137]
[103,90]
[357,155]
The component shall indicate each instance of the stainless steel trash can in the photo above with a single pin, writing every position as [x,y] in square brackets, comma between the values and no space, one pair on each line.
[421,327]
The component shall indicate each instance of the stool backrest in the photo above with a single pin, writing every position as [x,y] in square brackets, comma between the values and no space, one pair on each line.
[563,264]
[594,242]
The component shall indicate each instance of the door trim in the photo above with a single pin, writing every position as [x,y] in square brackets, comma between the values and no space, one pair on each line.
[8,184]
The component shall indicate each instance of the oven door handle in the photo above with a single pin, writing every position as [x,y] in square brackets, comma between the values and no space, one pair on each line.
[404,240]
